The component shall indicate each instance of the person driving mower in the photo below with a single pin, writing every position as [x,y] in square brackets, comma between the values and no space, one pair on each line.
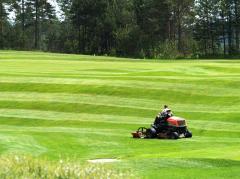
[162,117]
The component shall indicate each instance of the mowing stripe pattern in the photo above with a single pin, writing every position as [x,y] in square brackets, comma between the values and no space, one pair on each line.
[85,107]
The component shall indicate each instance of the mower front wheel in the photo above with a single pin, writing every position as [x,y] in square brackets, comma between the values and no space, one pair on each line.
[142,132]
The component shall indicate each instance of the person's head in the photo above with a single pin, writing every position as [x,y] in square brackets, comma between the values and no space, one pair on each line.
[169,112]
[165,106]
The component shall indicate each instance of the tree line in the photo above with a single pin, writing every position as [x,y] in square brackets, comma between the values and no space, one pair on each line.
[128,28]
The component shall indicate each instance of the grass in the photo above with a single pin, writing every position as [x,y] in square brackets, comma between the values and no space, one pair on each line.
[55,106]
[28,167]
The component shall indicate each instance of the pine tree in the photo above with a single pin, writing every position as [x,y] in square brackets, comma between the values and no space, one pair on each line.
[3,18]
[180,11]
[1,24]
[86,15]
[152,17]
[237,23]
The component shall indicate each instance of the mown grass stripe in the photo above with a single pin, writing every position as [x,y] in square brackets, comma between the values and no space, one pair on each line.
[21,143]
[164,96]
[175,87]
[51,115]
[33,122]
[117,132]
[104,100]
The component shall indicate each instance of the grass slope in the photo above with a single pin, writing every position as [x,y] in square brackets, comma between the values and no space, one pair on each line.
[81,107]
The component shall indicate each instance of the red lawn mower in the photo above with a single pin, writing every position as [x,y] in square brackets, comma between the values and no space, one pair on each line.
[171,128]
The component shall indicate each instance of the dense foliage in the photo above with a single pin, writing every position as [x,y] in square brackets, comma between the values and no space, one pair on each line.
[132,28]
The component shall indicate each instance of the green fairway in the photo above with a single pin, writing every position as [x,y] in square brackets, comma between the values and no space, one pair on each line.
[83,107]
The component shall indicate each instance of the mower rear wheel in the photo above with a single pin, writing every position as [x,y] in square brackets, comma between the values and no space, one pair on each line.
[174,135]
[188,134]
[151,133]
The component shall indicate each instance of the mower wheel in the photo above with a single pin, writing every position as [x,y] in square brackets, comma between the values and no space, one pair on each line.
[151,133]
[188,134]
[142,132]
[174,135]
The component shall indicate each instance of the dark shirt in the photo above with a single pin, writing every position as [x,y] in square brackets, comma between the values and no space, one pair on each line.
[161,119]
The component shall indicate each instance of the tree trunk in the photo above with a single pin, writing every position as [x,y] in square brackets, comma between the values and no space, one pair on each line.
[205,47]
[174,27]
[179,37]
[212,38]
[79,39]
[36,24]
[84,39]
[169,29]
[230,48]
[237,22]
[179,27]
[223,34]
[23,22]
[208,31]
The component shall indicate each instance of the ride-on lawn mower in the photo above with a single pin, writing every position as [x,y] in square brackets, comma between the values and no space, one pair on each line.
[171,128]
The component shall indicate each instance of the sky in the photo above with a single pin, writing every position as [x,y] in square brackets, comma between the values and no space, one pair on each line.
[57,8]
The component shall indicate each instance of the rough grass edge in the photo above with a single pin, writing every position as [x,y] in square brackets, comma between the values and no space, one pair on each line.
[20,167]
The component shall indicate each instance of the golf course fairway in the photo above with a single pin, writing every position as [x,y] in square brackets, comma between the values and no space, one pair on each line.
[80,108]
